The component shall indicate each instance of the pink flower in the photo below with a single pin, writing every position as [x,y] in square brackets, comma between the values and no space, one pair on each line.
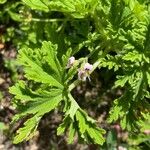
[84,72]
[82,75]
[70,62]
[88,67]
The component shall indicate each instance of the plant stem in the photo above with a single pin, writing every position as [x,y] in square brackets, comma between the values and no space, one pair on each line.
[48,20]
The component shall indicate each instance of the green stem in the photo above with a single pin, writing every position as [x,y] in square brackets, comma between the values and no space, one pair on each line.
[48,20]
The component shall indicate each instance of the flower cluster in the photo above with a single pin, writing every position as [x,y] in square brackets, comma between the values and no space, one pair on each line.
[83,72]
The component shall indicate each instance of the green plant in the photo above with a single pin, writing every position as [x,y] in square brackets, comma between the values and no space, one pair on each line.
[49,85]
[113,34]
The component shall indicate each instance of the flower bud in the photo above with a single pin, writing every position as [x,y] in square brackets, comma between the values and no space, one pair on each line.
[71,61]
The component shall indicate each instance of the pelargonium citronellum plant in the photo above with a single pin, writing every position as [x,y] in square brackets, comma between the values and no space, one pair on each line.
[115,35]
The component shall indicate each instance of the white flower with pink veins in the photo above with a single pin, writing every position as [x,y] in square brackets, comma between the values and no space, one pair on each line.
[88,67]
[85,72]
